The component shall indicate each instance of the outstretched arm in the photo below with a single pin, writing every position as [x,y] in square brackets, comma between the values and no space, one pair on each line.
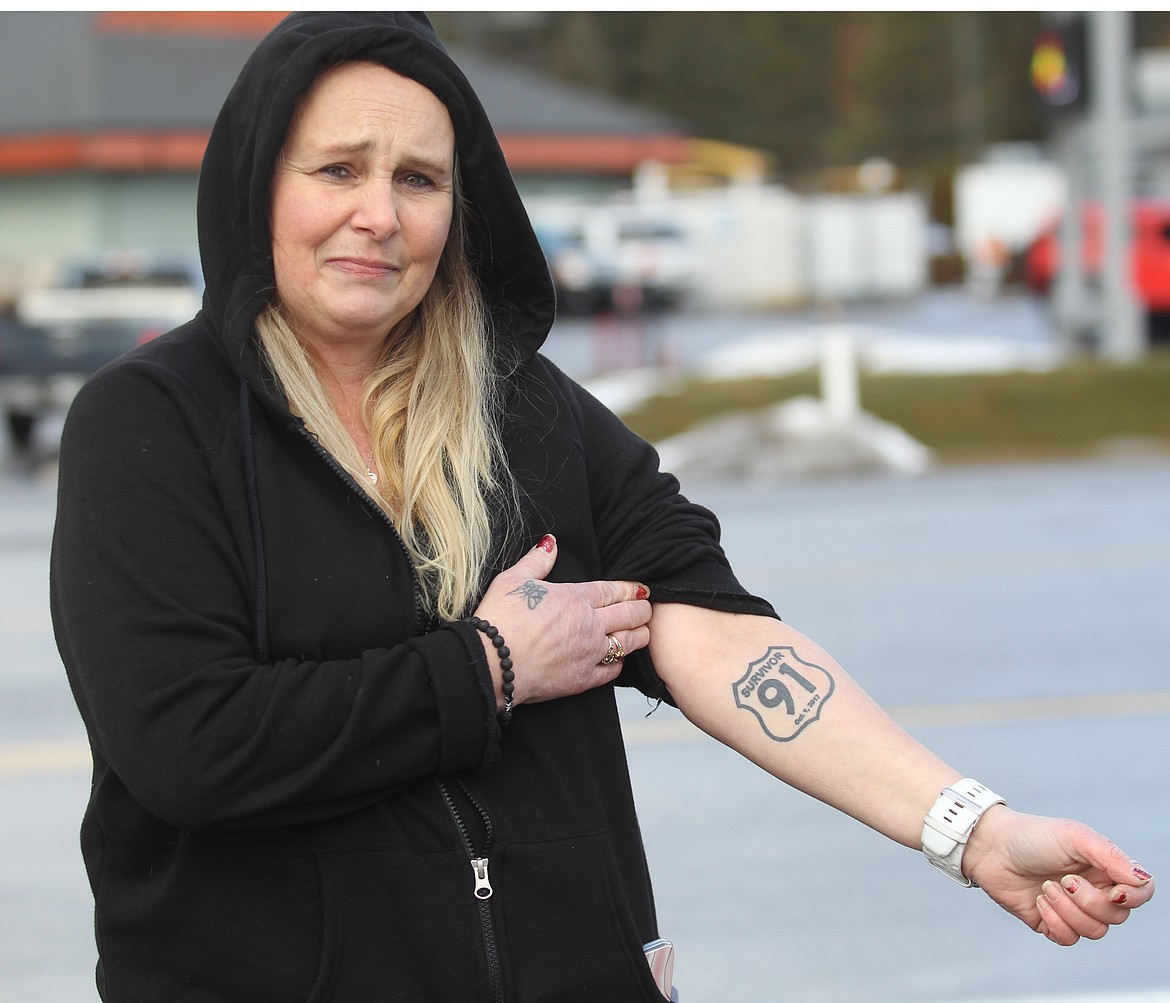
[778,698]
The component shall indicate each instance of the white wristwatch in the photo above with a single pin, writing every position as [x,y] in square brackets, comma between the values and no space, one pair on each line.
[948,825]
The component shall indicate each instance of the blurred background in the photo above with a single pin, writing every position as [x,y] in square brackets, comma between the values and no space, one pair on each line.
[890,290]
[888,173]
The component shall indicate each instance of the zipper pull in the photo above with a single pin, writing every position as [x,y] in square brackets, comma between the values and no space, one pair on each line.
[483,887]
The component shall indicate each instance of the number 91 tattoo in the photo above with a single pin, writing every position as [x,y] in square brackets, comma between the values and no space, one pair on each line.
[785,692]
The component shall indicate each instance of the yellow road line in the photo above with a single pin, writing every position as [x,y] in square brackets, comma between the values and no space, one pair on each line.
[978,712]
[26,759]
[996,711]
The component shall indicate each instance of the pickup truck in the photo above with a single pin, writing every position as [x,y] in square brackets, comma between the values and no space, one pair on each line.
[93,311]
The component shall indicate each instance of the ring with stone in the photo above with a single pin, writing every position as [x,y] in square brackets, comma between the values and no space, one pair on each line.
[614,653]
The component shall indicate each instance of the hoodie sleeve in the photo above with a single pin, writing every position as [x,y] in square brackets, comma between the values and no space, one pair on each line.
[152,592]
[646,529]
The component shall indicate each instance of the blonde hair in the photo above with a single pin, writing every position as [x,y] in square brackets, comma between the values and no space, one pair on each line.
[429,406]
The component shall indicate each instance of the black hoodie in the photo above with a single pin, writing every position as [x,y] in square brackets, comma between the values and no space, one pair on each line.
[293,768]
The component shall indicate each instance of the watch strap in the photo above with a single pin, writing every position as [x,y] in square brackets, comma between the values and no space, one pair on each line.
[949,823]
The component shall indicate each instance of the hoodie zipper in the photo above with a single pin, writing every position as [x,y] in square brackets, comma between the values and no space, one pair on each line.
[421,618]
[481,887]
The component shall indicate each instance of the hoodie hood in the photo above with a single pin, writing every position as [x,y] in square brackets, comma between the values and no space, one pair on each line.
[235,242]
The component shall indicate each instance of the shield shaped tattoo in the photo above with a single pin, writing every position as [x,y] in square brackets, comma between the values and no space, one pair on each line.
[784,691]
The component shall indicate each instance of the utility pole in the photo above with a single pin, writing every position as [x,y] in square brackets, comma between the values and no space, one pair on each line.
[1072,306]
[1111,44]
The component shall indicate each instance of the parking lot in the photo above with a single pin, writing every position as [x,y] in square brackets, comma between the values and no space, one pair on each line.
[1012,617]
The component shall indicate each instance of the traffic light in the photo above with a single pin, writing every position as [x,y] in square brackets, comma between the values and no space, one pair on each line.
[1059,72]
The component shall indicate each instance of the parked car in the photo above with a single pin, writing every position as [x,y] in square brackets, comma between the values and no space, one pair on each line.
[625,266]
[653,258]
[583,280]
[1150,263]
[93,311]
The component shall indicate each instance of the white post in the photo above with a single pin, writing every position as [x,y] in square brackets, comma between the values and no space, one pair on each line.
[840,391]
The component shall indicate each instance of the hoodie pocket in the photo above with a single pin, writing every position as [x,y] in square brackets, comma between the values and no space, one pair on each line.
[399,925]
[569,936]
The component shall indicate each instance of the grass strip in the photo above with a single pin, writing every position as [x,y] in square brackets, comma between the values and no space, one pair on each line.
[1078,409]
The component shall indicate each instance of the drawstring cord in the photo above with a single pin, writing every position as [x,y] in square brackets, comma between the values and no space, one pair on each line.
[260,636]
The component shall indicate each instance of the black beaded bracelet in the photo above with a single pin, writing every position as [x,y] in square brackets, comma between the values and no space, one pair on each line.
[504,654]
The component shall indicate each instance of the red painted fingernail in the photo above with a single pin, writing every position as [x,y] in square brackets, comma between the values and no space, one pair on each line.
[1119,898]
[641,592]
[1140,874]
[547,542]
[1071,884]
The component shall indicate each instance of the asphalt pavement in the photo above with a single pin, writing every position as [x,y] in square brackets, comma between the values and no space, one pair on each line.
[1015,620]
[1012,617]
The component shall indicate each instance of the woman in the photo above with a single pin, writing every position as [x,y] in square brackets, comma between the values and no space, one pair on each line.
[294,534]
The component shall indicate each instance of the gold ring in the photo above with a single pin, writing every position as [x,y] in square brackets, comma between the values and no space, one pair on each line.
[614,653]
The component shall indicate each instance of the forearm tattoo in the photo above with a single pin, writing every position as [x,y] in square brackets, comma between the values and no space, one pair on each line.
[785,692]
[533,593]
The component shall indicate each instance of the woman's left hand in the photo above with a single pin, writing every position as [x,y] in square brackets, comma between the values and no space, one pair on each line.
[1060,877]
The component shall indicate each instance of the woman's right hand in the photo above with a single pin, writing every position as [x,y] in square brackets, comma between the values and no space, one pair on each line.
[558,633]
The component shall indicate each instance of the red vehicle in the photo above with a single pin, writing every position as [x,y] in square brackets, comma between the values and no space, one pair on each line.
[1150,263]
